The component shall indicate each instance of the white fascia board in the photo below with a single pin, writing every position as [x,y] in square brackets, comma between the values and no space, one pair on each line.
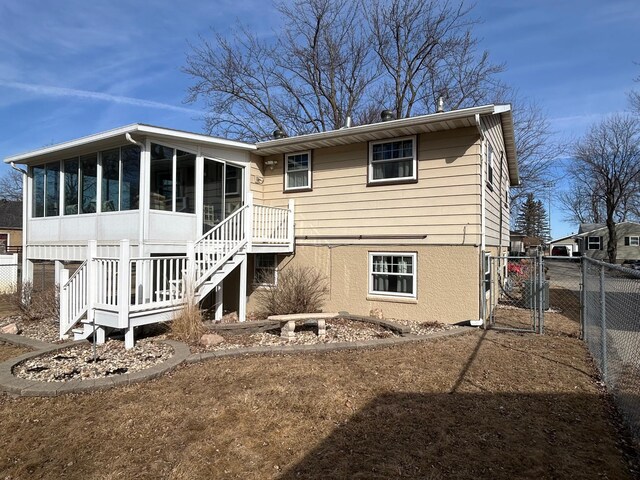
[131,129]
[380,126]
[605,228]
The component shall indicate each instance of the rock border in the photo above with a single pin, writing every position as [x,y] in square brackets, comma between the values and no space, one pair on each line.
[13,385]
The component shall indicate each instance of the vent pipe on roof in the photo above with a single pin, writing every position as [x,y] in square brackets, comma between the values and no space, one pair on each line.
[277,134]
[440,105]
[386,115]
[347,123]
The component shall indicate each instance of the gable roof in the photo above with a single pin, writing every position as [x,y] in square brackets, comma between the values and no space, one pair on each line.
[10,214]
[595,227]
[466,117]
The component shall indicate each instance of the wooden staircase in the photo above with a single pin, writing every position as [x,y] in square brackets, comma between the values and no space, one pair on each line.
[125,292]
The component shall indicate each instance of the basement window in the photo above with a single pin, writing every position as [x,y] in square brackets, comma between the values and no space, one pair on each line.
[265,269]
[392,274]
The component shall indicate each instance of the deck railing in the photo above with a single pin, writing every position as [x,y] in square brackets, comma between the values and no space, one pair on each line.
[74,297]
[271,225]
[157,281]
[106,287]
[219,244]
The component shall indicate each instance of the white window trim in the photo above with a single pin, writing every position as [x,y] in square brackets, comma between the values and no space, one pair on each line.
[414,139]
[486,267]
[490,166]
[414,265]
[632,239]
[275,273]
[287,188]
[589,243]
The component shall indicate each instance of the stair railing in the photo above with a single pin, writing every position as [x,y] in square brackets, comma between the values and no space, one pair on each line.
[74,297]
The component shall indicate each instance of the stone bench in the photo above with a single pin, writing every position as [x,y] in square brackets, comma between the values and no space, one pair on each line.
[288,322]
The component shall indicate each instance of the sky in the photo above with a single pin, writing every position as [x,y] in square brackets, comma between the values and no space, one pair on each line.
[70,68]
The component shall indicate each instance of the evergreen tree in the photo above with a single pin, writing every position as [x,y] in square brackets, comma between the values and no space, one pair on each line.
[532,219]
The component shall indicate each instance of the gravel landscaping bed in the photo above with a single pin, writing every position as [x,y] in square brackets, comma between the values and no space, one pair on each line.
[425,328]
[76,362]
[338,330]
[44,330]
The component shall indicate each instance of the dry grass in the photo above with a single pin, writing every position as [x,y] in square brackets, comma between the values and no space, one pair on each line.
[8,351]
[484,405]
[187,324]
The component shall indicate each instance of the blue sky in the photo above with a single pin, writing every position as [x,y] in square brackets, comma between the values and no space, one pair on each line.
[70,68]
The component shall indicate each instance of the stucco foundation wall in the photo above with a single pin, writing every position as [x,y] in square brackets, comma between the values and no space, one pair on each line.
[447,283]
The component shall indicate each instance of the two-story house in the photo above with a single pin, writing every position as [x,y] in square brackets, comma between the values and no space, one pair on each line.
[399,216]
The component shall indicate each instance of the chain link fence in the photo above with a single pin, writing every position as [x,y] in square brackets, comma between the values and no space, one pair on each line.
[611,330]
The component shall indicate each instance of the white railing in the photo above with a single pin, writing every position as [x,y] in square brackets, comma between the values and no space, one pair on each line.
[218,245]
[271,225]
[157,281]
[74,297]
[106,285]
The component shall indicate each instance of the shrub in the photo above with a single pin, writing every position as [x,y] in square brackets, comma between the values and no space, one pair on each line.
[298,290]
[36,304]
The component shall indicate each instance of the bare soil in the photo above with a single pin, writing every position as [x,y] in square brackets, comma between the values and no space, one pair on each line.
[483,405]
[9,351]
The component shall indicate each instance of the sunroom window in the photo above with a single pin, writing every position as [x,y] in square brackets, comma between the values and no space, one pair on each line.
[46,190]
[393,161]
[297,171]
[173,174]
[392,274]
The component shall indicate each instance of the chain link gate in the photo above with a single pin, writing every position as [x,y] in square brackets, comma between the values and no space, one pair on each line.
[516,293]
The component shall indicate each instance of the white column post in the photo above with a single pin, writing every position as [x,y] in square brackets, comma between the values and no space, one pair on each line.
[58,267]
[219,304]
[242,302]
[124,293]
[291,226]
[248,221]
[92,252]
[64,302]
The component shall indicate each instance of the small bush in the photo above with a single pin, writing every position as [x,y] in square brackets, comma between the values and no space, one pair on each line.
[299,290]
[36,304]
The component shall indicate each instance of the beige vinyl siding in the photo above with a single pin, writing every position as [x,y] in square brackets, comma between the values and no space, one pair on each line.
[495,203]
[444,205]
[256,178]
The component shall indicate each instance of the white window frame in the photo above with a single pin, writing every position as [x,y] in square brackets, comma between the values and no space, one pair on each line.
[287,188]
[490,166]
[414,159]
[590,241]
[486,267]
[256,281]
[414,274]
[634,241]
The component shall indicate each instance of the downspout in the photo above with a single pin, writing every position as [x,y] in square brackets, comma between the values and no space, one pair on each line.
[25,219]
[141,199]
[482,307]
[500,204]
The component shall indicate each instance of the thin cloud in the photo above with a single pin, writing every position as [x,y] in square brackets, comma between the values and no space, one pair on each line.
[51,91]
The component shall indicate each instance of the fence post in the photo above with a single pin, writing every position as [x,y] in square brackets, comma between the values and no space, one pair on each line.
[603,323]
[64,301]
[583,302]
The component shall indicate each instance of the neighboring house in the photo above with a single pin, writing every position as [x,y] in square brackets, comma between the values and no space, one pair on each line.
[399,215]
[516,242]
[592,240]
[564,246]
[10,226]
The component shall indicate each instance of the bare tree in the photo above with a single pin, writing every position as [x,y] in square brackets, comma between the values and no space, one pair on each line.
[310,79]
[426,50]
[340,59]
[608,164]
[11,185]
[582,206]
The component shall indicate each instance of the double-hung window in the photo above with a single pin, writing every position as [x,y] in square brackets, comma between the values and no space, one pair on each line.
[633,241]
[392,274]
[265,270]
[297,171]
[393,161]
[594,243]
